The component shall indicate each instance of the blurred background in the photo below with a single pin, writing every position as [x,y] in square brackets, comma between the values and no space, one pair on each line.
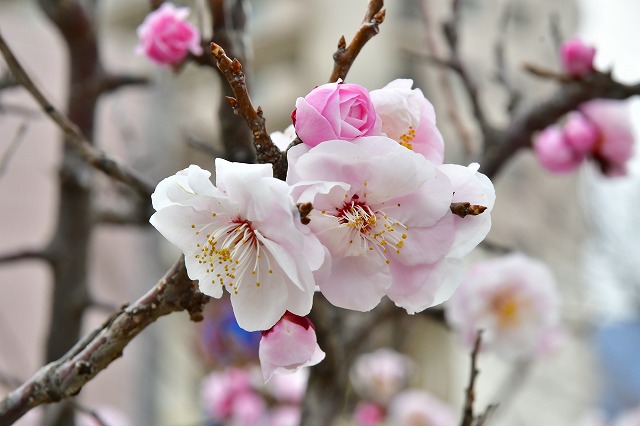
[582,225]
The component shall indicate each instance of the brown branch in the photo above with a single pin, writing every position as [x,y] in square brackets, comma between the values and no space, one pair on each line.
[65,377]
[536,117]
[467,413]
[90,154]
[345,55]
[229,21]
[266,150]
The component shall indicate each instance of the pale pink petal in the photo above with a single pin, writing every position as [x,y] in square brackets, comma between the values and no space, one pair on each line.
[475,188]
[313,128]
[418,407]
[416,288]
[356,283]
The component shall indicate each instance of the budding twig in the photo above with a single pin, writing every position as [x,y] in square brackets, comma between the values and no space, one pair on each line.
[345,55]
[467,413]
[465,208]
[266,150]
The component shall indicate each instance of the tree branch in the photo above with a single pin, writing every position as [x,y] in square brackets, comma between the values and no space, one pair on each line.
[65,377]
[266,150]
[90,154]
[536,117]
[345,55]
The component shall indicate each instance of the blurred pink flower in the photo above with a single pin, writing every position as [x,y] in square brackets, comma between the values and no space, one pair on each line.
[380,375]
[368,414]
[554,151]
[220,389]
[615,143]
[166,36]
[514,300]
[335,111]
[383,213]
[289,387]
[243,235]
[286,415]
[419,408]
[629,418]
[581,135]
[248,409]
[409,119]
[288,346]
[577,57]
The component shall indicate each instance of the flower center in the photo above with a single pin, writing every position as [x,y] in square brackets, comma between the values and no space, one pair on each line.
[232,251]
[406,138]
[506,307]
[372,229]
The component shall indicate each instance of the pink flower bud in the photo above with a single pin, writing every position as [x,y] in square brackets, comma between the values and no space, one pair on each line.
[288,346]
[554,152]
[612,119]
[580,134]
[577,57]
[165,36]
[368,414]
[335,111]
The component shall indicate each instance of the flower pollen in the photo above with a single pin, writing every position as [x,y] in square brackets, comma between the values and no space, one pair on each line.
[506,307]
[372,229]
[406,138]
[233,252]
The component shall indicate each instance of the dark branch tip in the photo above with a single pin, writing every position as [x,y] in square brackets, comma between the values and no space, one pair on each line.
[342,43]
[216,50]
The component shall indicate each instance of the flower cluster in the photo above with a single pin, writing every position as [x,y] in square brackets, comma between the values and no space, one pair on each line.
[514,301]
[600,130]
[380,378]
[378,218]
[236,396]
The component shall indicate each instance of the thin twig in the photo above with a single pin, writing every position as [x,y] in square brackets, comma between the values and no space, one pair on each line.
[345,55]
[502,75]
[444,83]
[65,377]
[203,146]
[451,33]
[26,255]
[8,153]
[266,150]
[467,413]
[90,154]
